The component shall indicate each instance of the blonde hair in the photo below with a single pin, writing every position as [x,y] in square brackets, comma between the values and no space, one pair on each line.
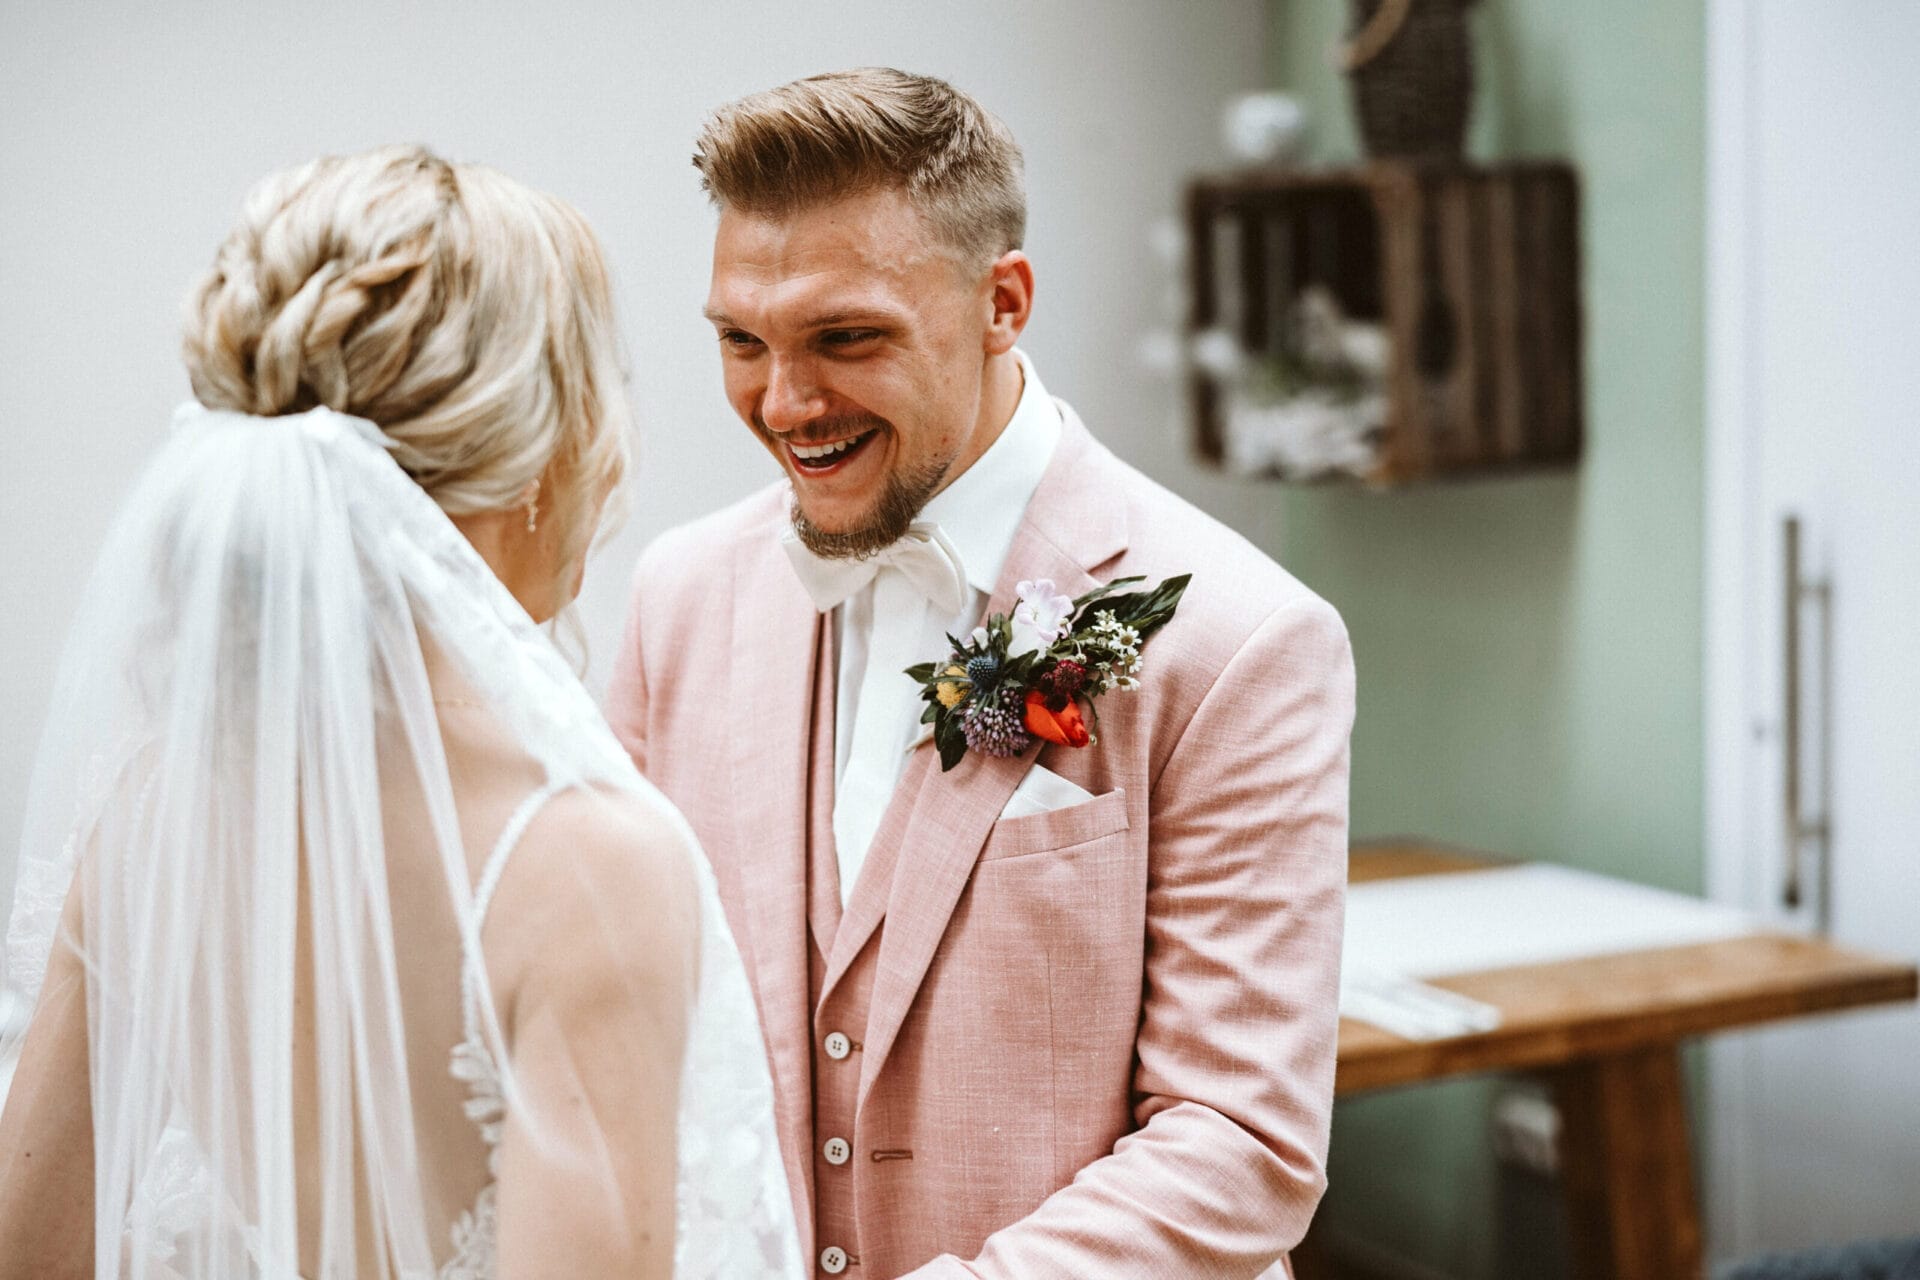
[831,136]
[467,316]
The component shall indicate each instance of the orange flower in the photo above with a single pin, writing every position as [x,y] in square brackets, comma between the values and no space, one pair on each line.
[1064,727]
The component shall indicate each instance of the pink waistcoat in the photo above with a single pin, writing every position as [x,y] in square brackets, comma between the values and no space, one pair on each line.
[840,1019]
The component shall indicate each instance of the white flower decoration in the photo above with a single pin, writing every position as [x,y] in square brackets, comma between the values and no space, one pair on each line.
[1043,609]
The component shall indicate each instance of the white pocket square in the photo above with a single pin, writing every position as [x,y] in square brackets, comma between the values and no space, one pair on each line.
[1043,791]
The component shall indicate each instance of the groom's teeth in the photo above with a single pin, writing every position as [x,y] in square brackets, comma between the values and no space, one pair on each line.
[825,450]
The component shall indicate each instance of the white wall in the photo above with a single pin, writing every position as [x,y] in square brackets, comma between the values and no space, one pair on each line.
[129,132]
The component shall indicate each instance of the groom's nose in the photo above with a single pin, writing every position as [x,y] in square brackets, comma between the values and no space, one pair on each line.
[792,396]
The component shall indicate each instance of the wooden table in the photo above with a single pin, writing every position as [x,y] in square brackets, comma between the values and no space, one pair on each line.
[1605,1033]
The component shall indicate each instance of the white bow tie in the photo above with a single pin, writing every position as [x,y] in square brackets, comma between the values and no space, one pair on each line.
[922,555]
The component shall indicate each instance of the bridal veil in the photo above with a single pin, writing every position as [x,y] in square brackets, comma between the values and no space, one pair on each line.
[246,786]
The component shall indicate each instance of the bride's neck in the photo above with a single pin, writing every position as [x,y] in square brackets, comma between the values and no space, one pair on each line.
[521,558]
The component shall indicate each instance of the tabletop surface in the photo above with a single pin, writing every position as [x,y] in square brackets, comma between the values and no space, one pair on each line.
[1562,1012]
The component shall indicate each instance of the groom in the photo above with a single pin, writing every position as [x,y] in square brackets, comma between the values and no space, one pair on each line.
[1067,1014]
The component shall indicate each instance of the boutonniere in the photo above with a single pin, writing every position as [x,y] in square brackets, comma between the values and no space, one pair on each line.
[1036,674]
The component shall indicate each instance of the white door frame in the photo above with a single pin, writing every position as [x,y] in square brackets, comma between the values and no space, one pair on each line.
[1735,862]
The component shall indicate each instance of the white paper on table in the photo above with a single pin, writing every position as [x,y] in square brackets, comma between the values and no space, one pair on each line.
[1412,927]
[1411,1009]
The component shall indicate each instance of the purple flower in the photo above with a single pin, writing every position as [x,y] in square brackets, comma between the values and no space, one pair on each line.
[997,724]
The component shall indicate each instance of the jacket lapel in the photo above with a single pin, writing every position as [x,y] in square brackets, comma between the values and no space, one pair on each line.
[778,640]
[937,823]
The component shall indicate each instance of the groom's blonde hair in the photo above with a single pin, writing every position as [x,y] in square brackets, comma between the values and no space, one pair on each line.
[831,136]
[468,316]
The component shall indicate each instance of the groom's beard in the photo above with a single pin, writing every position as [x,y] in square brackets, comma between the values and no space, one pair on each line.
[906,492]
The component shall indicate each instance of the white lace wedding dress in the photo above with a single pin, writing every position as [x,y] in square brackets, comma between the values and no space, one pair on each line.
[247,768]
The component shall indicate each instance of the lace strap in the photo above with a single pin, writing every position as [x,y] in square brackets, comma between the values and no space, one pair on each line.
[496,864]
[473,963]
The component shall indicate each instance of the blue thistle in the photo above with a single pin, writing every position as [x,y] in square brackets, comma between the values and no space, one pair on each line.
[983,671]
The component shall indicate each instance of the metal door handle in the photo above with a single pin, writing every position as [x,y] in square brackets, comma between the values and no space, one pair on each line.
[1799,829]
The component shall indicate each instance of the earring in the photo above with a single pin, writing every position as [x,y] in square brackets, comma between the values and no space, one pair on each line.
[533,507]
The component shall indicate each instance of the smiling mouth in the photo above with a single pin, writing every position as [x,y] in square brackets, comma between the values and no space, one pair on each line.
[821,459]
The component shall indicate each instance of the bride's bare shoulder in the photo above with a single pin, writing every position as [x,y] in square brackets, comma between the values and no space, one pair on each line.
[602,885]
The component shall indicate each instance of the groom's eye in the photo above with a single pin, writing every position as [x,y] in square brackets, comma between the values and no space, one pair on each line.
[841,339]
[738,339]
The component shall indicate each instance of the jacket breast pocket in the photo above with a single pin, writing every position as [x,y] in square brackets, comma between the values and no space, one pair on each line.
[1079,824]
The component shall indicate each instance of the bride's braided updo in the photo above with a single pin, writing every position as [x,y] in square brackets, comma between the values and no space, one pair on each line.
[467,316]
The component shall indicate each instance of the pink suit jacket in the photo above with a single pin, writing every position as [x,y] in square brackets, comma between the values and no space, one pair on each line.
[1106,1032]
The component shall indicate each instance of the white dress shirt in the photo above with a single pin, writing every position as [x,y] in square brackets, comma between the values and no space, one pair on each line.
[979,512]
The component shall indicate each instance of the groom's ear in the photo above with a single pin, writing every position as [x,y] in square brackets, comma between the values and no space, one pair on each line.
[1010,295]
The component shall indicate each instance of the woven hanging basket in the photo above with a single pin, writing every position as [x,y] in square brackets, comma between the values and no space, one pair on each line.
[1410,63]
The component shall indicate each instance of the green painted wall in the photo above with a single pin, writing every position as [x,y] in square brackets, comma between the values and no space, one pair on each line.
[1529,650]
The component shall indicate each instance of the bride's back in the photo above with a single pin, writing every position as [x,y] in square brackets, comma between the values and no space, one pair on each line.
[492,777]
[508,813]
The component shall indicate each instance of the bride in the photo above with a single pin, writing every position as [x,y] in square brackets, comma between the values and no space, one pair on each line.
[359,947]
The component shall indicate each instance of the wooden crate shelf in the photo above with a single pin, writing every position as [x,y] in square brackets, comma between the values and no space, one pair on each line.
[1470,274]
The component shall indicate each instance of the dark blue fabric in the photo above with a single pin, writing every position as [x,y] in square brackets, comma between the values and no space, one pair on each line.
[1880,1260]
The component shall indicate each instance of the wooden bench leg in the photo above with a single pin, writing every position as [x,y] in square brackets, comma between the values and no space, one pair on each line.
[1632,1211]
